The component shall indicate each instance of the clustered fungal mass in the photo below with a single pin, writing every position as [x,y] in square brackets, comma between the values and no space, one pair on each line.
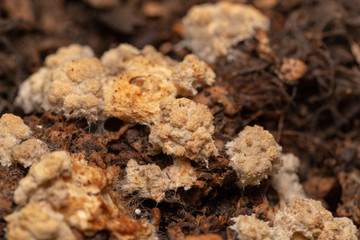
[212,30]
[16,143]
[126,83]
[302,219]
[152,182]
[62,194]
[254,155]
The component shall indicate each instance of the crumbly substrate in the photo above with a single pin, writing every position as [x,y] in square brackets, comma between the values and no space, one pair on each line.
[212,29]
[254,155]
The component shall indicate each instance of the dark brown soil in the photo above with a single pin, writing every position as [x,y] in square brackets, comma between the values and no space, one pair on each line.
[317,119]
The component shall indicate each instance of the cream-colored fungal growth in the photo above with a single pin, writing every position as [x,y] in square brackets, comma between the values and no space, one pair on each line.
[76,89]
[147,179]
[186,76]
[152,182]
[77,194]
[127,83]
[126,57]
[286,181]
[38,221]
[254,155]
[184,129]
[145,77]
[181,174]
[12,132]
[68,54]
[191,74]
[308,219]
[29,152]
[51,166]
[33,90]
[302,219]
[15,145]
[135,96]
[251,228]
[212,29]
[143,80]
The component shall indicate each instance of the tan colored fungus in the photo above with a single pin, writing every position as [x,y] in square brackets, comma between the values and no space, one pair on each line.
[135,96]
[186,76]
[184,129]
[145,77]
[34,90]
[12,132]
[152,182]
[126,83]
[76,89]
[29,152]
[211,30]
[251,228]
[74,196]
[254,155]
[308,218]
[38,221]
[302,219]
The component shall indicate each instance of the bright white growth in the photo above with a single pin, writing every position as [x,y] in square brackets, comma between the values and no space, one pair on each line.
[254,155]
[212,29]
[152,182]
[72,195]
[286,181]
[12,132]
[302,219]
[184,128]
